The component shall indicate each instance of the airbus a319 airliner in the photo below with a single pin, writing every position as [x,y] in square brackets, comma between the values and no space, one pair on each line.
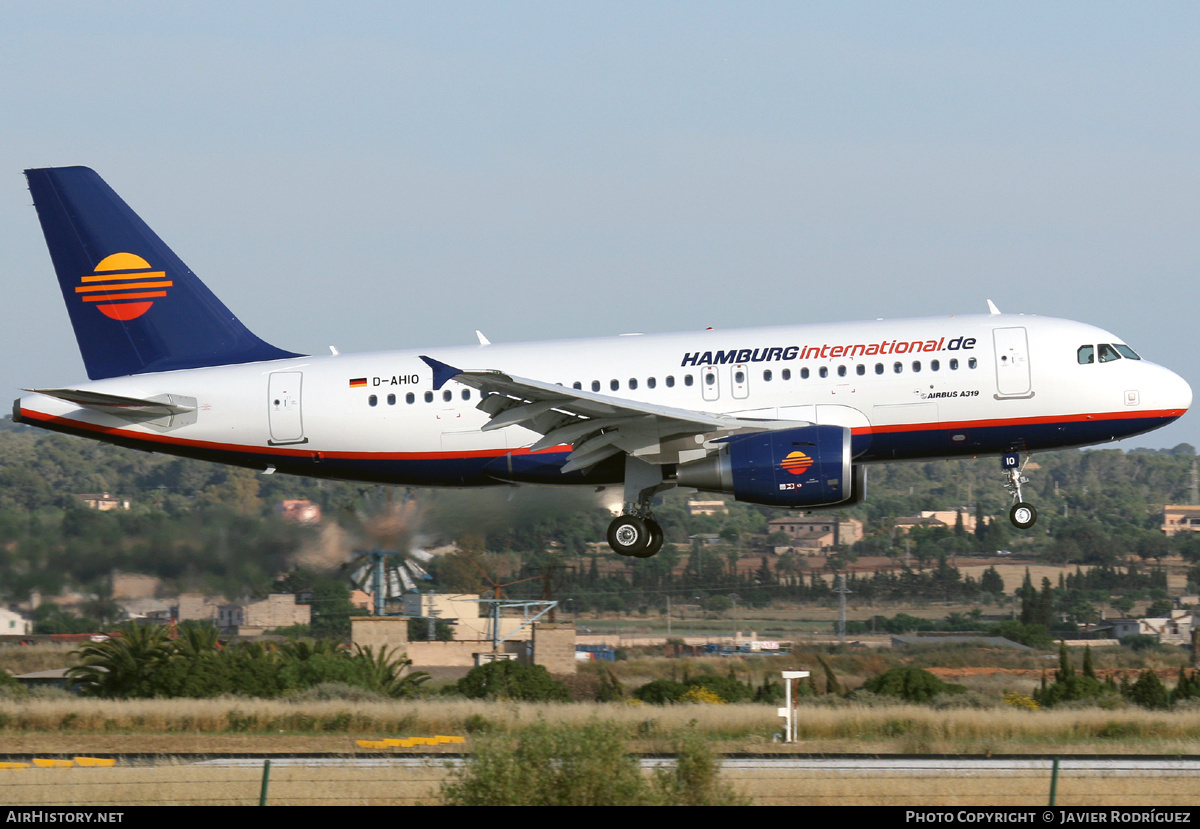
[786,416]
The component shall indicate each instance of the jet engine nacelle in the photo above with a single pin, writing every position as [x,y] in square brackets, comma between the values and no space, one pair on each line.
[805,467]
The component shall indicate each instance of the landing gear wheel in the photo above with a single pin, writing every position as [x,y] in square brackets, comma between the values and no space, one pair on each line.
[628,535]
[656,539]
[1022,515]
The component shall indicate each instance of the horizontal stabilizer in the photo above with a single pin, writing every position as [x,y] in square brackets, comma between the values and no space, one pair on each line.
[160,406]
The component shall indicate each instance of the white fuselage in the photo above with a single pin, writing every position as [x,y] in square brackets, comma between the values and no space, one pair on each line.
[908,389]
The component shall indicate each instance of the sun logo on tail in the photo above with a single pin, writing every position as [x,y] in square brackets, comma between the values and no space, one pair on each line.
[796,463]
[123,286]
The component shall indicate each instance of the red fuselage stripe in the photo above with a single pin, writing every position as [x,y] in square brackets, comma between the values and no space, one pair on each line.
[281,451]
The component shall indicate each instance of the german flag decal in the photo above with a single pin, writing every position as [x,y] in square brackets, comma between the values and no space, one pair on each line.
[358,383]
[796,463]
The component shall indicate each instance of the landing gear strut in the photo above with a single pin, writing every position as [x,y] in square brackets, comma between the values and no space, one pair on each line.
[635,532]
[1022,515]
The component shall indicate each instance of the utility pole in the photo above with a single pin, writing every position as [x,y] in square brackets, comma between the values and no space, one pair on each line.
[841,624]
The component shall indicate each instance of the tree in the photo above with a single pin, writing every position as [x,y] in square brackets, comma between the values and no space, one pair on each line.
[509,679]
[550,766]
[122,665]
[589,766]
[1149,692]
[911,685]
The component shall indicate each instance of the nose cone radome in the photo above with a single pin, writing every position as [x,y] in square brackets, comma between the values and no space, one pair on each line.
[1171,393]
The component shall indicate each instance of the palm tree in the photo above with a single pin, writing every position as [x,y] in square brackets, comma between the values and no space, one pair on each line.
[121,665]
[387,671]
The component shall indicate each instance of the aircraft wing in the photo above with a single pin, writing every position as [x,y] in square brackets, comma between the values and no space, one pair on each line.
[597,425]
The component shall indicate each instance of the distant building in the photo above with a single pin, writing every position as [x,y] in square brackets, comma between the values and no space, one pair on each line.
[717,507]
[1181,518]
[192,607]
[279,610]
[816,533]
[469,615]
[14,624]
[937,518]
[1175,629]
[103,501]
[300,512]
[133,585]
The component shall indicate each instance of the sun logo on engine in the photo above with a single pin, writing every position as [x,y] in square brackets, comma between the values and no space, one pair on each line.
[796,463]
[123,286]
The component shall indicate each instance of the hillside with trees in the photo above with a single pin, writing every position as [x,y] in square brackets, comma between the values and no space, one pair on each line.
[203,527]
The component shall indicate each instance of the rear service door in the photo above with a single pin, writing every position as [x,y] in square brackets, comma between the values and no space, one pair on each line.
[283,404]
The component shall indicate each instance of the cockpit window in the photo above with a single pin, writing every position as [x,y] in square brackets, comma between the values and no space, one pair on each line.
[1126,352]
[1108,353]
[1086,355]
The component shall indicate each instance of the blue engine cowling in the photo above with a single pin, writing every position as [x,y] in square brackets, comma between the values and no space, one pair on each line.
[805,467]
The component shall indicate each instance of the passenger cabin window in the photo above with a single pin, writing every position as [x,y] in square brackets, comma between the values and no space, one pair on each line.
[916,365]
[447,395]
[577,385]
[954,364]
[466,394]
[767,375]
[651,382]
[670,381]
[632,383]
[428,397]
[860,369]
[823,371]
[391,400]
[897,367]
[410,398]
[879,368]
[372,401]
[787,374]
[595,385]
[841,371]
[804,374]
[687,380]
[935,365]
[972,363]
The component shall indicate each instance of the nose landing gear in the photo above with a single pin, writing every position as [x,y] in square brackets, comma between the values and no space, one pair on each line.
[1022,515]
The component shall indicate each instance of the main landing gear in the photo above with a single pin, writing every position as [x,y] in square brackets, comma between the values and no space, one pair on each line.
[631,535]
[635,532]
[1022,515]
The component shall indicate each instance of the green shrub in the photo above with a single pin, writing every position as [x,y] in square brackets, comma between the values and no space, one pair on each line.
[727,688]
[911,685]
[661,691]
[588,766]
[514,681]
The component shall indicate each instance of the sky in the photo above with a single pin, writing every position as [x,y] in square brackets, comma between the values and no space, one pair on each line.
[378,175]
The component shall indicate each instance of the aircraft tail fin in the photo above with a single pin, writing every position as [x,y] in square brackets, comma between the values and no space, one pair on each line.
[134,305]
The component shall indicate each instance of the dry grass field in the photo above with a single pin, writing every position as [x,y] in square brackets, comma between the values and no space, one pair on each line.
[180,784]
[83,726]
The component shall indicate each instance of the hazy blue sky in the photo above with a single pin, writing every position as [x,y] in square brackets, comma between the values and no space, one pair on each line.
[385,174]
